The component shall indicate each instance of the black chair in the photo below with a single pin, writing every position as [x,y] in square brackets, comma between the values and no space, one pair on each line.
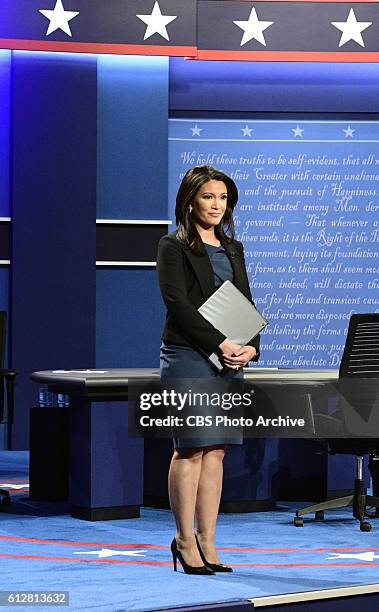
[357,415]
[8,377]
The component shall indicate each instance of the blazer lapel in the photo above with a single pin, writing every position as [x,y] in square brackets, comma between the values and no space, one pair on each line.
[236,260]
[203,269]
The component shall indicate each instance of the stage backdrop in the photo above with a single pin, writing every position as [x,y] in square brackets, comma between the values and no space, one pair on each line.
[308,218]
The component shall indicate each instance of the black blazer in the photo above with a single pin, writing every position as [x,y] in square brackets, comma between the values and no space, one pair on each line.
[186,280]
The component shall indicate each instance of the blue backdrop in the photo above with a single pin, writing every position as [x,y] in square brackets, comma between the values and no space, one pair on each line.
[132,153]
[5,83]
[308,218]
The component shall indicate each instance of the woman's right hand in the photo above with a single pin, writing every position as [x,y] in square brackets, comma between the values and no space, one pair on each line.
[229,349]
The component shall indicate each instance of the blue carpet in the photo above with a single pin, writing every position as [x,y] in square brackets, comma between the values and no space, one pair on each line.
[125,564]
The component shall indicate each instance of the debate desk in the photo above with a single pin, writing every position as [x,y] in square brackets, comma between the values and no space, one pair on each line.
[106,464]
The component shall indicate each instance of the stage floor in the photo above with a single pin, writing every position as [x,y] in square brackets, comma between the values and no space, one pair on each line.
[126,565]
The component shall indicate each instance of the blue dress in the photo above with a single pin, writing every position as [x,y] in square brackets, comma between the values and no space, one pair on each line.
[185,362]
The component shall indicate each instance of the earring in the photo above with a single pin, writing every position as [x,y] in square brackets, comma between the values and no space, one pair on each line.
[190,209]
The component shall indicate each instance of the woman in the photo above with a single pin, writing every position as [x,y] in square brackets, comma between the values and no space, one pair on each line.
[192,262]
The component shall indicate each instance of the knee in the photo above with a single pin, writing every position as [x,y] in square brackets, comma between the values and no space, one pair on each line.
[214,453]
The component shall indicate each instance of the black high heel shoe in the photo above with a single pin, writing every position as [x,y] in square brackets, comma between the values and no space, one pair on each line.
[188,569]
[215,567]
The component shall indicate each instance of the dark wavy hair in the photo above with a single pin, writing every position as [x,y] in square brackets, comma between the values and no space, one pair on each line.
[190,185]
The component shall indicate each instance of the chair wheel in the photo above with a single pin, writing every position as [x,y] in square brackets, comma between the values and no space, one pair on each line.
[365,526]
[319,515]
[298,521]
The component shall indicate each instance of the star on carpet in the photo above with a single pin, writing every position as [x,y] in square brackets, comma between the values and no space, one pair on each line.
[16,487]
[351,29]
[253,28]
[109,552]
[59,18]
[156,22]
[366,556]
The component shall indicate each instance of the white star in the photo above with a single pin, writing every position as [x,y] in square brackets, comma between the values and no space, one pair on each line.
[348,132]
[246,131]
[366,556]
[253,28]
[156,22]
[297,131]
[351,29]
[109,552]
[9,485]
[196,130]
[59,18]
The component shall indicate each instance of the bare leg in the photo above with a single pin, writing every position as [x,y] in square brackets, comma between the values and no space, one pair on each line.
[183,479]
[208,500]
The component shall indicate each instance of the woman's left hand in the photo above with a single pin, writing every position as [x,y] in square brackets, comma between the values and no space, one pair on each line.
[241,358]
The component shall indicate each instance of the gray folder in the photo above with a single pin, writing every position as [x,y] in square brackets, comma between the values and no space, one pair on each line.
[234,315]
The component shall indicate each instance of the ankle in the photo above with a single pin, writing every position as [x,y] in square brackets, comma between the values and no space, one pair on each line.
[185,541]
[205,539]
